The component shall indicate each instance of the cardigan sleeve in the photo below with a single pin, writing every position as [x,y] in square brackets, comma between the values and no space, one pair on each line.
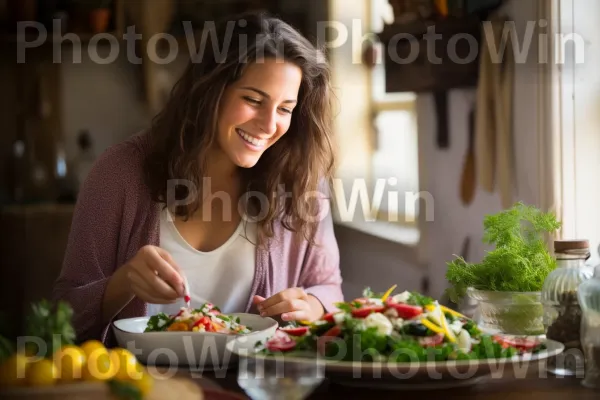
[93,243]
[321,276]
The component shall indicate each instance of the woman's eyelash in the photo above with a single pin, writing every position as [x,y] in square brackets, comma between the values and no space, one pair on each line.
[251,100]
[257,102]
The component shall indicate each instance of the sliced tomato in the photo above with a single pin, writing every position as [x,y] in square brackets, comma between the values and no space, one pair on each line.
[430,341]
[280,341]
[329,317]
[295,330]
[521,343]
[333,332]
[204,321]
[363,312]
[405,311]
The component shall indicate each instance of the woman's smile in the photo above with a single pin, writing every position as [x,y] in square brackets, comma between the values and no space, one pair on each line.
[251,141]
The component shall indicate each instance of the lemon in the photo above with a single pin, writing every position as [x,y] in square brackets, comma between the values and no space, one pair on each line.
[144,384]
[126,365]
[91,346]
[13,371]
[70,361]
[99,366]
[42,373]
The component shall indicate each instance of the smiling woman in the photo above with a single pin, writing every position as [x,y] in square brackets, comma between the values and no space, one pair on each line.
[249,124]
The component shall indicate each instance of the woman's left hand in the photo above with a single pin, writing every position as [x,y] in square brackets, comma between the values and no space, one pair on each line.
[292,304]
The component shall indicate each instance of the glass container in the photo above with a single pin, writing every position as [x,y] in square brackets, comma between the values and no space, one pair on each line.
[562,313]
[511,313]
[589,299]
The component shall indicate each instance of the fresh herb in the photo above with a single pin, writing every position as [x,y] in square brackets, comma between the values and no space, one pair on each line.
[520,261]
[417,299]
[124,390]
[6,348]
[223,317]
[368,293]
[50,322]
[471,327]
[158,323]
[344,307]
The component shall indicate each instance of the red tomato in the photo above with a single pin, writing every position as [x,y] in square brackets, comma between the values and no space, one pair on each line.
[363,312]
[333,332]
[521,343]
[430,341]
[206,322]
[405,311]
[280,341]
[295,331]
[329,317]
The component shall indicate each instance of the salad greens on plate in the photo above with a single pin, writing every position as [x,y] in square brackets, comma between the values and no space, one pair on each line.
[406,327]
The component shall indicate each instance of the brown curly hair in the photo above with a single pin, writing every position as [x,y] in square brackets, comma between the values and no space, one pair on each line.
[184,132]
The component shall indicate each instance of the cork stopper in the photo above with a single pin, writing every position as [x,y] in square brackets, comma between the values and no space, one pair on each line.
[576,248]
[568,246]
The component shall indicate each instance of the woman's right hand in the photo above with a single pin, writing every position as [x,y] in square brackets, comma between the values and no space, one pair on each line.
[154,277]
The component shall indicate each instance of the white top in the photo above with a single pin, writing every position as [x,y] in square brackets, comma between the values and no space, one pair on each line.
[222,276]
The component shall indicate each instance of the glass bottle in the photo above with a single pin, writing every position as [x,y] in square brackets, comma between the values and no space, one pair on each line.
[589,298]
[562,312]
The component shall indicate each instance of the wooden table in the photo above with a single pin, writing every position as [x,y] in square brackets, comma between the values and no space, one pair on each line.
[532,387]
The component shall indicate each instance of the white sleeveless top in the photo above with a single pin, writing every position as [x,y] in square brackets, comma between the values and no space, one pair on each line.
[222,276]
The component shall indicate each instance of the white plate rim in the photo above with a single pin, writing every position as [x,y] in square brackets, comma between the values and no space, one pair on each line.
[344,366]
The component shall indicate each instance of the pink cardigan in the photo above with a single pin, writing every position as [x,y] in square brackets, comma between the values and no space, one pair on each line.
[115,216]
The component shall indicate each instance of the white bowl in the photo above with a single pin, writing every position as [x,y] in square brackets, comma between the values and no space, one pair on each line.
[197,350]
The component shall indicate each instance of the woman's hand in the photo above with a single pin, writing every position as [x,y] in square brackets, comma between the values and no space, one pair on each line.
[292,304]
[154,277]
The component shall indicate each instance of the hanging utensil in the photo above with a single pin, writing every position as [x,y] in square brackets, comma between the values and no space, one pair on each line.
[467,182]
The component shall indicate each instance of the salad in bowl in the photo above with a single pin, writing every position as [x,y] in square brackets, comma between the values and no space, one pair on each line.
[192,337]
[207,318]
[406,327]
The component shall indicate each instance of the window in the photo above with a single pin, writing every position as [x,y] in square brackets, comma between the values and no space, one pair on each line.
[394,160]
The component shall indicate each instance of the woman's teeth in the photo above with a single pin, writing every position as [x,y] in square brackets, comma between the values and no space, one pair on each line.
[252,140]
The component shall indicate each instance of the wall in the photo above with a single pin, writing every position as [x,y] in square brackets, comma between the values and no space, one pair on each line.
[452,220]
[106,99]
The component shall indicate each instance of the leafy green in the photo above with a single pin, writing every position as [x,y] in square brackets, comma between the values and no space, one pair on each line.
[124,390]
[6,348]
[520,261]
[158,323]
[344,307]
[417,299]
[368,293]
[51,322]
[471,327]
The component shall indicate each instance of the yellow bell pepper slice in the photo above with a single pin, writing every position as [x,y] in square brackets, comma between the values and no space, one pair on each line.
[432,326]
[387,294]
[431,307]
[447,331]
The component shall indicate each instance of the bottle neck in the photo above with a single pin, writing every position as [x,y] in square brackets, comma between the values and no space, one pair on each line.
[563,261]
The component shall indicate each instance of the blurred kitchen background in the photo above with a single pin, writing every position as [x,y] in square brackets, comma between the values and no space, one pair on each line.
[412,122]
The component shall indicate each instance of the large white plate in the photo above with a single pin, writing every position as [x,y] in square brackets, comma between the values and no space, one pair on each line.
[412,376]
[197,350]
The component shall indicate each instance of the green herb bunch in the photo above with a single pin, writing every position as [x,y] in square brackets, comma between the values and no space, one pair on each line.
[520,261]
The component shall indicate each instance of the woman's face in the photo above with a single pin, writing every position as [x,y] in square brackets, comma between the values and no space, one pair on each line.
[257,109]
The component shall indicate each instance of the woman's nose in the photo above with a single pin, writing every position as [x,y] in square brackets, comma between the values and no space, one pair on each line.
[268,122]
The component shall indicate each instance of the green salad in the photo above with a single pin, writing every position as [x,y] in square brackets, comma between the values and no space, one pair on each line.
[407,327]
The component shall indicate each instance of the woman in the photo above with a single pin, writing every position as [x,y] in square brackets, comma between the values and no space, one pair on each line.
[219,192]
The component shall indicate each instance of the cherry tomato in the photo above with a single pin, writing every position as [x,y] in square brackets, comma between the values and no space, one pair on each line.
[363,312]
